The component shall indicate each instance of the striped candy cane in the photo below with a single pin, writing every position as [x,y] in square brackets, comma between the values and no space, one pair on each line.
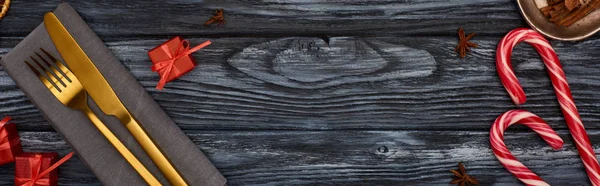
[503,154]
[561,87]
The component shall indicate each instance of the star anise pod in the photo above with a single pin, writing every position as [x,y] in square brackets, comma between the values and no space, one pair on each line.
[464,44]
[217,18]
[461,177]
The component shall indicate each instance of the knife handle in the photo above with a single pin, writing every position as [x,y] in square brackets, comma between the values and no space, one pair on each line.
[133,161]
[154,152]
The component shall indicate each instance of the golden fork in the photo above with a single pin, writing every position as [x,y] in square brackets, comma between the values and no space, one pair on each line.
[69,91]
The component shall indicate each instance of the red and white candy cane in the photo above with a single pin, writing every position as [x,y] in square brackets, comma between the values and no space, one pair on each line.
[503,154]
[561,88]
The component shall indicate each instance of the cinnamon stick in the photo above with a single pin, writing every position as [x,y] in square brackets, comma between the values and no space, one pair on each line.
[553,2]
[579,14]
[546,11]
[567,12]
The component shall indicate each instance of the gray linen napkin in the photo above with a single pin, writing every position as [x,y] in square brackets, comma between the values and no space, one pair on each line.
[91,146]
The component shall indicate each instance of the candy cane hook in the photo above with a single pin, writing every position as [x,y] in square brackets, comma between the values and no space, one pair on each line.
[561,88]
[503,154]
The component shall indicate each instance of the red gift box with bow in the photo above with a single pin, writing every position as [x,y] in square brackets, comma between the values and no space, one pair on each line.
[10,144]
[172,59]
[38,169]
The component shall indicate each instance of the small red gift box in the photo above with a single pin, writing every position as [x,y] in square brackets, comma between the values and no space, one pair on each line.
[10,144]
[29,166]
[172,59]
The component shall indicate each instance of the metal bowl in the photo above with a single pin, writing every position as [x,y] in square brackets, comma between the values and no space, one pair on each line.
[582,29]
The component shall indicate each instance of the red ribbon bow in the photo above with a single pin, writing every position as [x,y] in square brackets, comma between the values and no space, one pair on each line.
[4,141]
[35,164]
[182,50]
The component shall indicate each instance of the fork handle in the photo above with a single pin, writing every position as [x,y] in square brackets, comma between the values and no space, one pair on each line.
[133,161]
[154,152]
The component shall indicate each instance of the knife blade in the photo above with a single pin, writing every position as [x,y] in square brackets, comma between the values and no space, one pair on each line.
[83,68]
[100,91]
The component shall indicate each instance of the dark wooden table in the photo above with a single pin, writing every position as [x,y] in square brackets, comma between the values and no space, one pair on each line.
[387,102]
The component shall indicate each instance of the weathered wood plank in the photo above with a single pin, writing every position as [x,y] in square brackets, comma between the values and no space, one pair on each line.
[277,18]
[353,157]
[354,83]
[271,108]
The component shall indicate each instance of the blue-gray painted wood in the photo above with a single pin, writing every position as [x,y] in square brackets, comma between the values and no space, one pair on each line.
[113,18]
[405,83]
[386,102]
[361,157]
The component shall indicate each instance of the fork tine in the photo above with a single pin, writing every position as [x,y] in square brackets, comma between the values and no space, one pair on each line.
[32,68]
[57,64]
[44,78]
[49,73]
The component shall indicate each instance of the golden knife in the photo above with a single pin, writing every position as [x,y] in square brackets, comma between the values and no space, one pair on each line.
[72,95]
[104,96]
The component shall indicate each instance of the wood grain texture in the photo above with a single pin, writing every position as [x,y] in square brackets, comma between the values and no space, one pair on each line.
[272,18]
[404,83]
[385,102]
[352,157]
